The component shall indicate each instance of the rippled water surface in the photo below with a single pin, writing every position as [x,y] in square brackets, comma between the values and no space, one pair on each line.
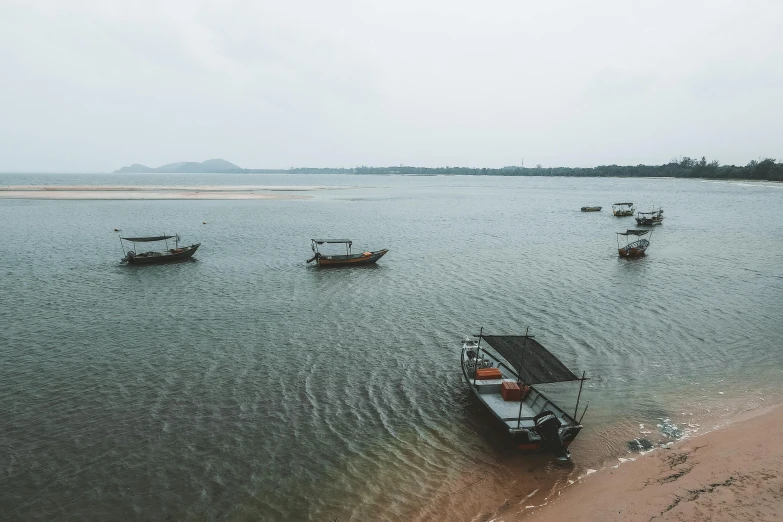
[248,385]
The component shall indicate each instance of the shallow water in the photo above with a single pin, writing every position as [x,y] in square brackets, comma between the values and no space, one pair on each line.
[249,385]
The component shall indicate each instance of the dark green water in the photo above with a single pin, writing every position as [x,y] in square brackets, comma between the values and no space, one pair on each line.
[248,385]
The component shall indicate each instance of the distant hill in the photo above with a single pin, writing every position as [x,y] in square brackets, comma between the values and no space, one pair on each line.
[213,165]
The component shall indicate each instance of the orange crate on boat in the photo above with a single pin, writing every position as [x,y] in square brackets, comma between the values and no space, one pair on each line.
[483,374]
[510,391]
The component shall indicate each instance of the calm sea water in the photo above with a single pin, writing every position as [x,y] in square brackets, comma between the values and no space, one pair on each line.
[248,385]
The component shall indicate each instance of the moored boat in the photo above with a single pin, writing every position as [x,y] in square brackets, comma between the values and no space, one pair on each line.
[591,209]
[502,373]
[347,259]
[153,257]
[647,219]
[635,248]
[623,209]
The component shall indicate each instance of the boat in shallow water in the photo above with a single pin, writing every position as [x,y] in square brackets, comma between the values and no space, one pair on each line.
[591,209]
[347,259]
[154,257]
[502,374]
[635,248]
[623,209]
[647,219]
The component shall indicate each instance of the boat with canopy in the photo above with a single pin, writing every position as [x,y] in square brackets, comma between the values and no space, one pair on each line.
[502,373]
[156,256]
[647,219]
[635,248]
[623,209]
[347,259]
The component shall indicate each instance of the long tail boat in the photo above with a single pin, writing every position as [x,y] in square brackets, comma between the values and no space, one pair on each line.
[347,259]
[502,373]
[634,248]
[154,257]
[623,209]
[591,209]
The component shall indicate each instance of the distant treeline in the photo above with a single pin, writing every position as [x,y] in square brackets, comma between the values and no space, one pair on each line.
[766,169]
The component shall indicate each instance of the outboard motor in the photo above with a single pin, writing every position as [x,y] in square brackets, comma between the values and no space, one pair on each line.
[547,425]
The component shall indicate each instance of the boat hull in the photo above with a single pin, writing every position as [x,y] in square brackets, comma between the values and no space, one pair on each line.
[170,256]
[591,209]
[648,222]
[630,252]
[366,258]
[524,437]
[635,249]
[623,213]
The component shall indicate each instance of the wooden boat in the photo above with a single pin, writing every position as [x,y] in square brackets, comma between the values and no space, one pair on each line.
[591,209]
[347,259]
[502,373]
[623,209]
[635,248]
[168,255]
[647,219]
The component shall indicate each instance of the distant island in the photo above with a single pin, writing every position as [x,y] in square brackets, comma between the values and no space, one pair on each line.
[213,165]
[766,169]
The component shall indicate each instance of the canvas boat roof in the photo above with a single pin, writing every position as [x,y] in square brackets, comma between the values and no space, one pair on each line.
[624,204]
[534,363]
[147,239]
[322,241]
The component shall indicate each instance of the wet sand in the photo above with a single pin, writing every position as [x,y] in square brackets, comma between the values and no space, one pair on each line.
[154,192]
[733,473]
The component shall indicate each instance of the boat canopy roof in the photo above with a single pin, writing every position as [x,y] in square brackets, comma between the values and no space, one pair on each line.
[653,212]
[322,241]
[147,239]
[626,204]
[534,363]
[633,232]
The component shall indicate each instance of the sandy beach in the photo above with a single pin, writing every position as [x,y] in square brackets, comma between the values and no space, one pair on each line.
[732,473]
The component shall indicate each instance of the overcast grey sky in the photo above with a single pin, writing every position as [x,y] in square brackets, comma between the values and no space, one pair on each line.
[93,86]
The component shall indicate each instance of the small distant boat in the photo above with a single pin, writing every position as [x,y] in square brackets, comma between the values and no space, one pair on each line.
[591,209]
[157,256]
[634,248]
[349,258]
[647,219]
[501,375]
[623,209]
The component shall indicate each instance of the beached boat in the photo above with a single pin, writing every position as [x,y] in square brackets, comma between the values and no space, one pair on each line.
[502,373]
[623,209]
[347,259]
[647,219]
[168,255]
[591,209]
[635,248]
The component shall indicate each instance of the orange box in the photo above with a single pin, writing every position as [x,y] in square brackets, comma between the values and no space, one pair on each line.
[483,374]
[510,391]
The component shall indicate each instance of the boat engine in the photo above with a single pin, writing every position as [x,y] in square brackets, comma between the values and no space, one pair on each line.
[547,425]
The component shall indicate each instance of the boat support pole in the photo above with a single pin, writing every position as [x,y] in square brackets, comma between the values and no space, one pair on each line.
[478,351]
[581,383]
[583,413]
[123,248]
[519,381]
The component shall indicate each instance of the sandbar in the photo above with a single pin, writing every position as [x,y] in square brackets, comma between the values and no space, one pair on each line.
[732,473]
[132,192]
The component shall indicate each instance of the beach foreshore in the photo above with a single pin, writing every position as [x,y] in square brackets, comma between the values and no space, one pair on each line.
[732,473]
